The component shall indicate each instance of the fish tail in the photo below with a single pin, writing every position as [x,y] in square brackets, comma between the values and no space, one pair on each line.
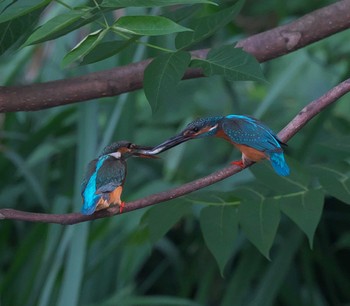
[279,164]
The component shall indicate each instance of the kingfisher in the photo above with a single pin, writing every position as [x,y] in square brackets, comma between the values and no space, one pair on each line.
[105,176]
[254,139]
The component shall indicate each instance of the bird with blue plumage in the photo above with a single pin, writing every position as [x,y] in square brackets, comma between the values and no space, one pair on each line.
[104,179]
[254,139]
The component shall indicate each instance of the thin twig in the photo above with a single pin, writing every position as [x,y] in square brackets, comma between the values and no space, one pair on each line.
[299,121]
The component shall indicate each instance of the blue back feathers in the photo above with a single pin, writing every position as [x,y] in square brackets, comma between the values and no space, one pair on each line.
[248,131]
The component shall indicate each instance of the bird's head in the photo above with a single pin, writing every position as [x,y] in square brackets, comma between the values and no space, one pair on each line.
[198,128]
[124,149]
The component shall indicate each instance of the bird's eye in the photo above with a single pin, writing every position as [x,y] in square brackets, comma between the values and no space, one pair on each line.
[195,129]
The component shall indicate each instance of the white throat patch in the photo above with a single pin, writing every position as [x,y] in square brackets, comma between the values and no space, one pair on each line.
[116,155]
[214,127]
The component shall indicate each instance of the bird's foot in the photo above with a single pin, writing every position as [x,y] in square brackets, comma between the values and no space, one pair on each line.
[238,163]
[102,204]
[121,207]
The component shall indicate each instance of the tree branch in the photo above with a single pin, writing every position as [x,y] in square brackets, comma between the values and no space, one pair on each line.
[299,121]
[264,46]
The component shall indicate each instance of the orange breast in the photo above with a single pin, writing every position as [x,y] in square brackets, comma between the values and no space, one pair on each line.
[114,196]
[220,133]
[249,152]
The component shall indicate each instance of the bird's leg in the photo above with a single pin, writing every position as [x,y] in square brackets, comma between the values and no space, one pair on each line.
[238,163]
[121,206]
[241,163]
[245,160]
[102,203]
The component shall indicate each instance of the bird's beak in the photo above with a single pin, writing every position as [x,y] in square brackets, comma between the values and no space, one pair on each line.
[169,143]
[143,151]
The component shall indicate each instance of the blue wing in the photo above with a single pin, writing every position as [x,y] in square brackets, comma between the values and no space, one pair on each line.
[88,186]
[89,171]
[251,132]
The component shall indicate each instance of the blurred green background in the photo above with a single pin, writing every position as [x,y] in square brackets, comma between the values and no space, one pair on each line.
[125,260]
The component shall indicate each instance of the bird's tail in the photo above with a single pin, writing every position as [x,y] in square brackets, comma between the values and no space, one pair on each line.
[279,164]
[89,205]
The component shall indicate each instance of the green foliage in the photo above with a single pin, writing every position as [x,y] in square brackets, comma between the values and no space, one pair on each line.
[162,76]
[305,210]
[15,31]
[206,26]
[84,47]
[233,64]
[147,25]
[57,26]
[210,247]
[335,180]
[219,226]
[104,50]
[20,8]
[259,219]
[160,219]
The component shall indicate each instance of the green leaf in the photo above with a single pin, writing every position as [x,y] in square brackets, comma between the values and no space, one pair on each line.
[60,25]
[105,50]
[219,226]
[14,32]
[147,25]
[259,219]
[21,8]
[232,63]
[84,47]
[162,75]
[182,13]
[149,3]
[159,219]
[305,210]
[334,180]
[297,181]
[253,191]
[206,26]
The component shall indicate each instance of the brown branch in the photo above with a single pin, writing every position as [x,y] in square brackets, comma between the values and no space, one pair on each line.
[304,116]
[264,46]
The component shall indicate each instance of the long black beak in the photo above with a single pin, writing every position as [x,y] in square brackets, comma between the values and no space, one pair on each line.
[169,143]
[143,151]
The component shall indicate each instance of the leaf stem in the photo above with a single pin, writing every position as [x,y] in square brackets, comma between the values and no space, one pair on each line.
[104,17]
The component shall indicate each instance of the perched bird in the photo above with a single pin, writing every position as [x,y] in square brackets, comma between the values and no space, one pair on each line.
[105,176]
[255,140]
